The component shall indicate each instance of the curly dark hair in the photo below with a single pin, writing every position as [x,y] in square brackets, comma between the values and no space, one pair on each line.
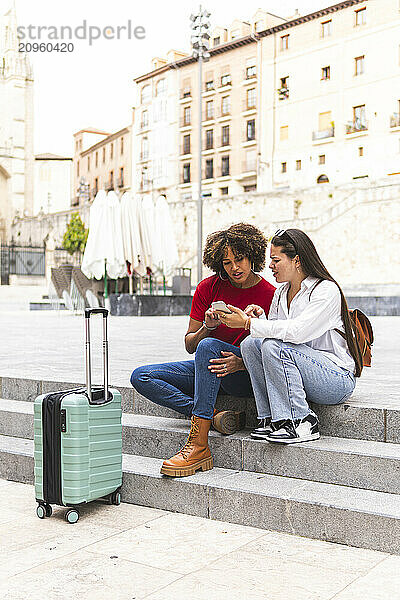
[243,239]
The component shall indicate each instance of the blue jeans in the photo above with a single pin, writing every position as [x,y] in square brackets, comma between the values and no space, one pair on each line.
[284,376]
[189,387]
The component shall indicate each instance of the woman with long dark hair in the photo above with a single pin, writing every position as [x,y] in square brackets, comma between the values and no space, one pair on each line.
[305,350]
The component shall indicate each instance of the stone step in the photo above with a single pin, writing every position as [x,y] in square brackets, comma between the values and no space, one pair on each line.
[355,463]
[356,517]
[356,419]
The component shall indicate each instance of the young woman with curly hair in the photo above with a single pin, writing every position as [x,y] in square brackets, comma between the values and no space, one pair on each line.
[305,350]
[236,255]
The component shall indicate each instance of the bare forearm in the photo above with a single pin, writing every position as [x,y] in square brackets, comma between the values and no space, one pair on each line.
[192,339]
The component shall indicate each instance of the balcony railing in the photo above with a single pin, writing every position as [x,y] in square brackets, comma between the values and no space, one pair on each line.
[323,133]
[249,105]
[249,165]
[208,115]
[185,179]
[356,126]
[224,172]
[208,145]
[224,112]
[185,121]
[208,174]
[185,149]
[224,141]
[283,93]
[395,120]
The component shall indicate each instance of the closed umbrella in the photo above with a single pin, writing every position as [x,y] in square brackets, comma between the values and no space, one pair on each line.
[131,239]
[166,251]
[104,252]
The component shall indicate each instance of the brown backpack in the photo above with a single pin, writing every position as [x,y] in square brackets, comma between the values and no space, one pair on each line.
[363,334]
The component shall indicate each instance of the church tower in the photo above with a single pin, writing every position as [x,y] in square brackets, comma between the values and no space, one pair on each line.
[16,125]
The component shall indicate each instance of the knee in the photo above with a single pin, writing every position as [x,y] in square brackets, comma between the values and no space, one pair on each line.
[207,346]
[249,345]
[138,376]
[271,347]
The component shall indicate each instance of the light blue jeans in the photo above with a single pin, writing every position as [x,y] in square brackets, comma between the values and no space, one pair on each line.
[285,375]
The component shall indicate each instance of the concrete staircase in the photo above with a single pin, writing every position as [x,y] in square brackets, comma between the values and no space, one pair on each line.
[342,488]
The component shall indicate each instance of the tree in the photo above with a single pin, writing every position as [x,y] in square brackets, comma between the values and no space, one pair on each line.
[76,235]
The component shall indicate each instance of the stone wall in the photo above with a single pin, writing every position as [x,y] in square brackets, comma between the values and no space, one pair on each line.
[355,229]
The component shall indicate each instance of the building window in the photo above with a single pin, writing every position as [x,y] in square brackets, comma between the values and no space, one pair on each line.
[326,73]
[209,168]
[121,177]
[325,120]
[251,71]
[209,109]
[145,118]
[225,166]
[111,150]
[251,98]
[209,139]
[284,133]
[216,41]
[161,87]
[186,144]
[321,159]
[360,17]
[122,146]
[361,151]
[359,65]
[225,105]
[226,79]
[145,94]
[250,188]
[224,191]
[283,91]
[283,167]
[251,130]
[77,168]
[235,34]
[298,165]
[111,180]
[186,173]
[96,159]
[96,185]
[225,135]
[285,42]
[145,148]
[104,155]
[359,120]
[326,28]
[187,115]
[88,163]
[259,26]
[209,86]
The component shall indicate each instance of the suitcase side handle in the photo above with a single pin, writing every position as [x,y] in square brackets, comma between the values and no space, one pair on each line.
[88,312]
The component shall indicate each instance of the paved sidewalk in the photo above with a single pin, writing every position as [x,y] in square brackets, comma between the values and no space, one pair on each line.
[131,552]
[50,346]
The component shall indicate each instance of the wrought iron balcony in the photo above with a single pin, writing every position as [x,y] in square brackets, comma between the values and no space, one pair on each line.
[323,133]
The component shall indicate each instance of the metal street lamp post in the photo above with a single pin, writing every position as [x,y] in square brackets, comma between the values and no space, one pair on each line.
[200,25]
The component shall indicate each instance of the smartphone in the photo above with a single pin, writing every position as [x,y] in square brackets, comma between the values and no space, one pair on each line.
[221,306]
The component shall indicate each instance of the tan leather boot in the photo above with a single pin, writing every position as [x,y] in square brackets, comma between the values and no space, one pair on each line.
[194,455]
[229,421]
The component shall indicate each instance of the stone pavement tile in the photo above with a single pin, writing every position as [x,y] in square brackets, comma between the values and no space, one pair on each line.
[381,583]
[86,575]
[200,588]
[170,539]
[278,577]
[339,557]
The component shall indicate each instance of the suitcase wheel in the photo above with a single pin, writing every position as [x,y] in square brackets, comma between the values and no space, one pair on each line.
[116,498]
[48,509]
[72,515]
[41,511]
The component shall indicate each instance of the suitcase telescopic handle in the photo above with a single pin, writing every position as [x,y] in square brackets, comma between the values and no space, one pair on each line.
[88,313]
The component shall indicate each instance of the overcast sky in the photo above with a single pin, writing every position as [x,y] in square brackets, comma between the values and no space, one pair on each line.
[93,85]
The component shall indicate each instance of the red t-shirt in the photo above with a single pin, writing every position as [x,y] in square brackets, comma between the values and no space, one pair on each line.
[214,288]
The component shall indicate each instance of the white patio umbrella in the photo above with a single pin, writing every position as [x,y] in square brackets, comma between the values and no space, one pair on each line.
[104,252]
[166,252]
[147,232]
[131,239]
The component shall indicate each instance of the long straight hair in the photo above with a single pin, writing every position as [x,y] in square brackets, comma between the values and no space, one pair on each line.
[294,242]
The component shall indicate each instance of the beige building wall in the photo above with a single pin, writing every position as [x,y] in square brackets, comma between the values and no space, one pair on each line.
[105,164]
[52,183]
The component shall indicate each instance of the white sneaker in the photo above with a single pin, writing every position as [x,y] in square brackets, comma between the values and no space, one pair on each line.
[301,430]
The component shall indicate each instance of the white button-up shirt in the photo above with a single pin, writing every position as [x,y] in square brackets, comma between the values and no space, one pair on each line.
[311,320]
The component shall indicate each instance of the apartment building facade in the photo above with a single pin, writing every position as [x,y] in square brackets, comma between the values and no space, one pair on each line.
[101,161]
[286,103]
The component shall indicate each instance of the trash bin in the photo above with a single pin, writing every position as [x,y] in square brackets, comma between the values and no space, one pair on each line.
[181,282]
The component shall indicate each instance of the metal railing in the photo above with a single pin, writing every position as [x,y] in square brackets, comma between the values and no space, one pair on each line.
[185,121]
[395,120]
[323,133]
[356,126]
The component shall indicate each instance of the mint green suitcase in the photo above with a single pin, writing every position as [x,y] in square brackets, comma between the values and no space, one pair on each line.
[78,441]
